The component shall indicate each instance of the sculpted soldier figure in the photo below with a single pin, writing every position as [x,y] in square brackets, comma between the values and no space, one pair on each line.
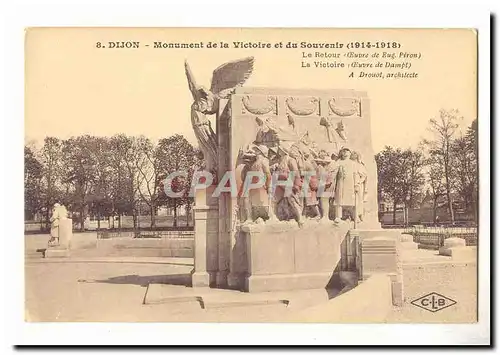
[346,175]
[311,206]
[324,166]
[255,202]
[361,196]
[288,201]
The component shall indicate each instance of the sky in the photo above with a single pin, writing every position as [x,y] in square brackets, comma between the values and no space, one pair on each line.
[74,88]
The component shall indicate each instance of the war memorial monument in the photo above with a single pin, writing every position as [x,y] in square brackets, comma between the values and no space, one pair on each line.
[313,218]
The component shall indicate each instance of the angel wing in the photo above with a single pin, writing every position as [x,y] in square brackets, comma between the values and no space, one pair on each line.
[229,76]
[191,82]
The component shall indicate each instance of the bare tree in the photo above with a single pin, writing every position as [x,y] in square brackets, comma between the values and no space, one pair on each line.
[440,148]
[50,158]
[436,182]
[465,168]
[81,172]
[124,180]
[33,171]
[412,177]
[175,154]
[400,176]
[148,174]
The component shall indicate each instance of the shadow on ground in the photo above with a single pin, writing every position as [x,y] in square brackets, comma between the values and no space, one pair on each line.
[144,281]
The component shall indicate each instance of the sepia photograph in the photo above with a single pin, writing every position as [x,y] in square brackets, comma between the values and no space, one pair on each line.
[252,175]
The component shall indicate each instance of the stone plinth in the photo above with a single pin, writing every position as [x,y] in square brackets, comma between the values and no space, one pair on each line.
[379,254]
[454,242]
[407,242]
[406,238]
[457,249]
[282,256]
[65,233]
[206,215]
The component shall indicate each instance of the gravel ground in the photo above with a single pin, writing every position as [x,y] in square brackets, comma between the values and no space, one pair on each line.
[457,281]
[79,291]
[76,292]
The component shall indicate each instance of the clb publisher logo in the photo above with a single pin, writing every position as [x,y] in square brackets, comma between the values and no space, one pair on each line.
[433,302]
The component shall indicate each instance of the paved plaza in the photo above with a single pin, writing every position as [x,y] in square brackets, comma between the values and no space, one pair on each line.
[114,289]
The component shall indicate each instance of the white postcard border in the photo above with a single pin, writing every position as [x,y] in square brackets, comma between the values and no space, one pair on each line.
[291,14]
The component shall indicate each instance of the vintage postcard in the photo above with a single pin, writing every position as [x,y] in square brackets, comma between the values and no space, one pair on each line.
[251,175]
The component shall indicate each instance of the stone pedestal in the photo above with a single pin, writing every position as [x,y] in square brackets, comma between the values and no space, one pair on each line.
[206,215]
[65,232]
[379,254]
[407,242]
[454,243]
[282,256]
[457,249]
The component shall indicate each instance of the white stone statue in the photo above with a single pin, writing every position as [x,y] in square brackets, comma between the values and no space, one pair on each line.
[59,213]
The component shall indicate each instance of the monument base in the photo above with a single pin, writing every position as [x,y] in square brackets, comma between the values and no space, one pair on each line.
[282,256]
[221,279]
[236,281]
[380,254]
[200,279]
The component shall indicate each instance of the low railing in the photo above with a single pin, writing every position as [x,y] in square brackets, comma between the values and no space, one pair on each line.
[155,234]
[434,237]
[38,228]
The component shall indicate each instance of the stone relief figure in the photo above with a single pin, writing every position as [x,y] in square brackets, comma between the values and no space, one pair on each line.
[288,205]
[324,164]
[338,172]
[292,125]
[256,202]
[346,174]
[362,195]
[311,203]
[226,78]
[267,132]
[337,135]
[59,212]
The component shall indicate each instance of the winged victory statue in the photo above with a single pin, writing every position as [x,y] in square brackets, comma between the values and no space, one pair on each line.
[225,79]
